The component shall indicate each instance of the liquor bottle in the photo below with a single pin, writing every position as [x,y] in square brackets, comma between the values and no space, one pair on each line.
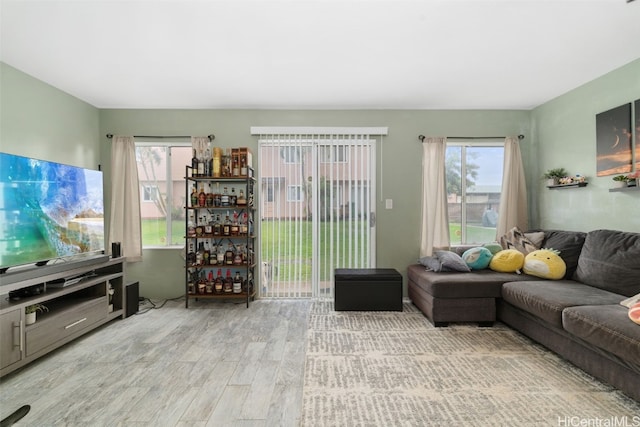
[237,257]
[237,283]
[235,227]
[220,254]
[217,197]
[229,255]
[217,160]
[200,254]
[244,227]
[202,197]
[202,284]
[191,226]
[207,162]
[194,197]
[210,282]
[191,255]
[208,225]
[199,227]
[219,282]
[217,226]
[235,171]
[228,283]
[213,257]
[201,164]
[233,198]
[209,202]
[194,164]
[243,165]
[224,199]
[241,200]
[226,226]
[206,255]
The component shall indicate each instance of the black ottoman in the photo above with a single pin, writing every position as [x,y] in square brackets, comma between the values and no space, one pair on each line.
[368,289]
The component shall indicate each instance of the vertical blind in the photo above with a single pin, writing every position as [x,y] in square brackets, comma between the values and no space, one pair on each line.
[317,207]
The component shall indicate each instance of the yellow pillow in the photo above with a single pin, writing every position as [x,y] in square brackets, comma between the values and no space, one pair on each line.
[507,261]
[545,263]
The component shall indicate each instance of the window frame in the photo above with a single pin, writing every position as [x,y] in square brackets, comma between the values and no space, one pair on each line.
[463,144]
[167,145]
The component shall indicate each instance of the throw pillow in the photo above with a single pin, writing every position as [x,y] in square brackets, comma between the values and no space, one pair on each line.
[431,263]
[452,261]
[634,313]
[631,301]
[507,261]
[477,258]
[545,263]
[494,247]
[516,239]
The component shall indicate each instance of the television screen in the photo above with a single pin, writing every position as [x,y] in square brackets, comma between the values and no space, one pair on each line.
[48,211]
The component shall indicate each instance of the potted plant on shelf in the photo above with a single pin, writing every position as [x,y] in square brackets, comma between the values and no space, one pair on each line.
[553,176]
[632,179]
[620,180]
[31,310]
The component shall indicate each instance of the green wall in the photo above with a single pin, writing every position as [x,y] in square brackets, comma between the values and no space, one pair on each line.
[564,135]
[38,120]
[399,165]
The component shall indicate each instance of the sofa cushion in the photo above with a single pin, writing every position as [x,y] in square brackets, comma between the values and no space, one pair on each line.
[610,260]
[546,299]
[477,284]
[444,261]
[518,240]
[606,327]
[569,243]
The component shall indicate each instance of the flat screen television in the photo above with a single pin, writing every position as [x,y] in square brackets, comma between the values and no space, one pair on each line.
[48,211]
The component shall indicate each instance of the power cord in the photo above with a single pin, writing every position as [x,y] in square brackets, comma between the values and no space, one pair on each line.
[154,306]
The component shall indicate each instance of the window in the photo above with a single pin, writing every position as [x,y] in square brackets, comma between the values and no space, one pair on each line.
[150,193]
[294,193]
[474,201]
[161,169]
[333,153]
[290,154]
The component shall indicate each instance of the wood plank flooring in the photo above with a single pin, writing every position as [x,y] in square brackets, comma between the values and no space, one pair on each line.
[214,364]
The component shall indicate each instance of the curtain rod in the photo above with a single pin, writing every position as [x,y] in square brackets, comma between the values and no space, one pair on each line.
[520,137]
[211,137]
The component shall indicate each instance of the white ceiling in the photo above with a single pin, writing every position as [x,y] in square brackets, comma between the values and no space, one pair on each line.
[318,54]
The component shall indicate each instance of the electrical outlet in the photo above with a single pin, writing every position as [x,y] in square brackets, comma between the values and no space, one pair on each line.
[388,204]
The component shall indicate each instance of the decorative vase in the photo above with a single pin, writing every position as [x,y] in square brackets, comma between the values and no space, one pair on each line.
[551,182]
[619,184]
[632,183]
[30,318]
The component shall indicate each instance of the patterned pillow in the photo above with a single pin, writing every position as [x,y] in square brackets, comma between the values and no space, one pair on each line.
[444,261]
[516,239]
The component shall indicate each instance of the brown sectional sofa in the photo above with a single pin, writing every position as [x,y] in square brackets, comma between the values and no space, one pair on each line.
[578,317]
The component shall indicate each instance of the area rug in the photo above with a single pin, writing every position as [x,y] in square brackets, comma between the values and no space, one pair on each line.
[396,369]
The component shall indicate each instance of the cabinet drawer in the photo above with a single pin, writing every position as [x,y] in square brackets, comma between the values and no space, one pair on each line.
[59,326]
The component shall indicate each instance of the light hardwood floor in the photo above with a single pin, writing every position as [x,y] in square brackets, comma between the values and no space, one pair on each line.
[214,364]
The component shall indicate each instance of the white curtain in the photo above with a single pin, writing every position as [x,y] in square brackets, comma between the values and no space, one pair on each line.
[125,226]
[435,222]
[513,200]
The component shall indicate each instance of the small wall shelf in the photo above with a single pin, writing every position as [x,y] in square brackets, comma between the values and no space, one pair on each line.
[562,186]
[634,188]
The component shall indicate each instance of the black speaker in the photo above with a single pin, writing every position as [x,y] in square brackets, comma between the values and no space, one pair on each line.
[115,250]
[132,294]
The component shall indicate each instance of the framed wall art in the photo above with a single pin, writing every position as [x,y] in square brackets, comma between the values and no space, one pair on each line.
[613,141]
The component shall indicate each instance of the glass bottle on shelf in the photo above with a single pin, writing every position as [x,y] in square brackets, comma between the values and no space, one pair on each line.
[237,283]
[191,226]
[220,254]
[210,282]
[233,198]
[226,226]
[200,254]
[201,164]
[217,226]
[229,254]
[194,196]
[208,224]
[213,256]
[217,197]
[202,284]
[237,256]
[219,282]
[209,201]
[199,227]
[235,227]
[202,197]
[206,254]
[191,255]
[243,165]
[207,162]
[224,199]
[228,283]
[241,200]
[194,164]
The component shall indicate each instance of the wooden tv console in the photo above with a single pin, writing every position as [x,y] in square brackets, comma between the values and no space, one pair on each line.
[73,310]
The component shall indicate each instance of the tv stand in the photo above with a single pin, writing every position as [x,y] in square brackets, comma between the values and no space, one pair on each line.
[72,310]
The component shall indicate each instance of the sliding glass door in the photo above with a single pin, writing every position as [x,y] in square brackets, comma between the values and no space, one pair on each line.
[317,211]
